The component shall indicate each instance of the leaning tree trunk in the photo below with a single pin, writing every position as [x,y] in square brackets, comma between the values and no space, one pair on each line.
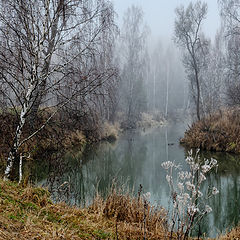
[198,96]
[18,133]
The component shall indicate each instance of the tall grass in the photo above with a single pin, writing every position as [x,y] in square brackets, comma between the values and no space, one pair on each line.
[28,213]
[233,235]
[135,218]
[217,132]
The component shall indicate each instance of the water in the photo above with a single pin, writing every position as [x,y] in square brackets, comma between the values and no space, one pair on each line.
[136,159]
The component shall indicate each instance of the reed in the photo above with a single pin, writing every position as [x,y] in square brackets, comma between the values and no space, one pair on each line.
[28,213]
[217,132]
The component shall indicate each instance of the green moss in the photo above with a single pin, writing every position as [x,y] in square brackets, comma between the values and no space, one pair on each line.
[84,235]
[101,234]
[30,206]
[52,217]
[231,146]
[12,217]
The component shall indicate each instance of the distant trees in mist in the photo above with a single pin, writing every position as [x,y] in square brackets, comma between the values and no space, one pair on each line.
[71,57]
[212,68]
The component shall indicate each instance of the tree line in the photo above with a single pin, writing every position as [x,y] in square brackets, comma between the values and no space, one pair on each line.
[212,68]
[71,57]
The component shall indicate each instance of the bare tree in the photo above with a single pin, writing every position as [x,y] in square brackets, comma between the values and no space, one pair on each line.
[33,37]
[214,75]
[230,13]
[94,75]
[133,75]
[187,35]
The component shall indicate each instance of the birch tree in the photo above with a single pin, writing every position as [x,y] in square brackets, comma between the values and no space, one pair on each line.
[214,75]
[230,13]
[33,34]
[134,68]
[188,25]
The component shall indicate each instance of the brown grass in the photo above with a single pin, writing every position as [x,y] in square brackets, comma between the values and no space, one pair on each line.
[109,131]
[233,235]
[151,120]
[28,213]
[128,214]
[217,132]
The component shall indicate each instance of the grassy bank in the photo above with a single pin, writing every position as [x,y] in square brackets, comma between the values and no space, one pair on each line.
[58,135]
[28,213]
[217,132]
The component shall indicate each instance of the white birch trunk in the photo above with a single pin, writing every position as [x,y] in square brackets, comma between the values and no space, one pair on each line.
[166,107]
[154,89]
[16,144]
[20,169]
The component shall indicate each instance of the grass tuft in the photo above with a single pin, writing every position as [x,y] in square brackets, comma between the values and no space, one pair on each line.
[217,132]
[28,213]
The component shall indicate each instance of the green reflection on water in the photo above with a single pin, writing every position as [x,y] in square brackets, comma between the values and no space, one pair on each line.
[136,159]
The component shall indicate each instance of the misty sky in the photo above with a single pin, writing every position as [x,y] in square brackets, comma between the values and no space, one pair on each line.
[160,15]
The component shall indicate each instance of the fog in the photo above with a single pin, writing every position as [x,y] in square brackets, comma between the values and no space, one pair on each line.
[169,77]
[159,15]
[73,73]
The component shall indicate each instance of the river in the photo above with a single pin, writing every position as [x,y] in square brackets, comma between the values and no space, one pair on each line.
[136,159]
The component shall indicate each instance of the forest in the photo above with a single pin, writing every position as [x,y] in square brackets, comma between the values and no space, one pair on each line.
[88,97]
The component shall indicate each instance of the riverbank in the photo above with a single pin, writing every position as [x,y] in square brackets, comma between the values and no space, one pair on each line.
[217,132]
[58,135]
[63,133]
[28,213]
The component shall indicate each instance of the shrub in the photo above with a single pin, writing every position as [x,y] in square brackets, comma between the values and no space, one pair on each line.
[188,205]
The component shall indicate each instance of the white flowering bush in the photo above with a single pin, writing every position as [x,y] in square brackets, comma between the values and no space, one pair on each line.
[188,202]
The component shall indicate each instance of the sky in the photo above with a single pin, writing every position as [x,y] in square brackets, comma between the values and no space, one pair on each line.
[160,15]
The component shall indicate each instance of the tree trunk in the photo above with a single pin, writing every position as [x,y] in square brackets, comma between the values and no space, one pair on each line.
[18,133]
[16,144]
[198,96]
[39,92]
[166,107]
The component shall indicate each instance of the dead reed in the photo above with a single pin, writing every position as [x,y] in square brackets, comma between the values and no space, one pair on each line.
[217,132]
[233,235]
[135,218]
[28,213]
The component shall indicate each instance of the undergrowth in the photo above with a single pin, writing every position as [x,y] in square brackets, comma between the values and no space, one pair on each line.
[217,132]
[28,213]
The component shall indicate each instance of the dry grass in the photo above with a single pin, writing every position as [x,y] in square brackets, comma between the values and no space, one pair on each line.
[150,120]
[110,131]
[128,214]
[74,138]
[218,132]
[234,234]
[28,213]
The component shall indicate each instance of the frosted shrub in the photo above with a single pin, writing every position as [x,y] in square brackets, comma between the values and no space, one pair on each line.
[188,206]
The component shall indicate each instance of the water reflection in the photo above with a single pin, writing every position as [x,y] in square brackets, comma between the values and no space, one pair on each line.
[136,159]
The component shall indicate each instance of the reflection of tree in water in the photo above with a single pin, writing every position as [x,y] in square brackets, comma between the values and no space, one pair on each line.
[82,175]
[65,179]
[225,205]
[136,159]
[132,160]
